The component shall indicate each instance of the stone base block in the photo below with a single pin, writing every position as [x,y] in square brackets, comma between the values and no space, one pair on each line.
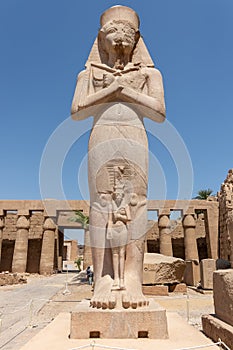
[192,273]
[145,322]
[216,329]
[223,295]
[155,290]
[208,266]
[162,269]
[178,288]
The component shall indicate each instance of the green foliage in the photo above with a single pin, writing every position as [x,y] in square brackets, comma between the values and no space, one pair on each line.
[204,194]
[78,262]
[81,219]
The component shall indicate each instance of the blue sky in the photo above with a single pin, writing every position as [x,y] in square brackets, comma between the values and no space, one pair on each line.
[44,44]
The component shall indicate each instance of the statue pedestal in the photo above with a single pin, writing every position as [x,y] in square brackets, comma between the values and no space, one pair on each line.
[144,322]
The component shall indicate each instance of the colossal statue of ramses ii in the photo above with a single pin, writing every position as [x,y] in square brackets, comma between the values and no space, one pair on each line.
[119,87]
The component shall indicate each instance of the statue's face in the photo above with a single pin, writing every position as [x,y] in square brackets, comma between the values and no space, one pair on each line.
[119,37]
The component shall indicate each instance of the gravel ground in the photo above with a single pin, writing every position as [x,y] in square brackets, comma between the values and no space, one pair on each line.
[19,304]
[26,309]
[190,306]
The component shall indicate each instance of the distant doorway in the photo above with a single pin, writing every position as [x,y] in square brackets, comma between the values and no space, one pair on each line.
[8,247]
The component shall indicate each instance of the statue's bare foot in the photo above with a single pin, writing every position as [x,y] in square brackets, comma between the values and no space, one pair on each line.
[115,284]
[122,284]
[103,298]
[133,296]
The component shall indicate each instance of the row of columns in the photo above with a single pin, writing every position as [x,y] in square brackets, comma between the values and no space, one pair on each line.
[19,262]
[190,243]
[1,233]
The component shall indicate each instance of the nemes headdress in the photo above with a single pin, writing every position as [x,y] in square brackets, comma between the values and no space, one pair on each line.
[120,13]
[124,13]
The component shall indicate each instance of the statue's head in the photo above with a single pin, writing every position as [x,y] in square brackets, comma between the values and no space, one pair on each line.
[119,35]
[119,31]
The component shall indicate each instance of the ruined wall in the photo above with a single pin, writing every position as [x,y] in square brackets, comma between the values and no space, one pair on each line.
[9,230]
[36,224]
[31,232]
[225,198]
[71,250]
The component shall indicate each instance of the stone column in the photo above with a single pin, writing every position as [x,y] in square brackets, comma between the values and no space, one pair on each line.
[230,231]
[1,234]
[165,241]
[190,242]
[19,263]
[192,271]
[48,245]
[87,255]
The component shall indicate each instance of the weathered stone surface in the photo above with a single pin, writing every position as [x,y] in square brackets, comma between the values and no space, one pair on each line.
[71,250]
[160,269]
[178,288]
[119,87]
[149,322]
[223,295]
[155,290]
[165,240]
[47,250]
[208,266]
[192,273]
[216,329]
[190,242]
[87,256]
[22,223]
[225,198]
[11,278]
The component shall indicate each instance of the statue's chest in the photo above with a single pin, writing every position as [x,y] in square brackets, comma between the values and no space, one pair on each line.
[134,79]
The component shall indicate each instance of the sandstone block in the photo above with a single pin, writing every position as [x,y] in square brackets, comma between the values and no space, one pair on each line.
[208,266]
[223,295]
[216,329]
[155,290]
[192,273]
[160,269]
[145,322]
[178,288]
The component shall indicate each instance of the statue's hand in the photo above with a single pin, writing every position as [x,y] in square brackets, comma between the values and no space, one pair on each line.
[108,79]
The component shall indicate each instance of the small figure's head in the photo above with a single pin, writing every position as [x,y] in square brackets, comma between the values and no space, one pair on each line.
[119,31]
[118,194]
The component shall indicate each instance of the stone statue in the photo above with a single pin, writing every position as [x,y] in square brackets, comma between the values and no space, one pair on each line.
[118,88]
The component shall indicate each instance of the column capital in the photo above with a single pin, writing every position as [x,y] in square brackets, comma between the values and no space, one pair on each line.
[189,220]
[22,223]
[49,224]
[164,221]
[2,225]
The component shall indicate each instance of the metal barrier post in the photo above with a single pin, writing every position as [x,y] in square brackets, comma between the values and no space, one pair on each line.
[30,313]
[66,291]
[187,305]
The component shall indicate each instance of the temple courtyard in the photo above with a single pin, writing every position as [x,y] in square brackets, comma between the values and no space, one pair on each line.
[27,309]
